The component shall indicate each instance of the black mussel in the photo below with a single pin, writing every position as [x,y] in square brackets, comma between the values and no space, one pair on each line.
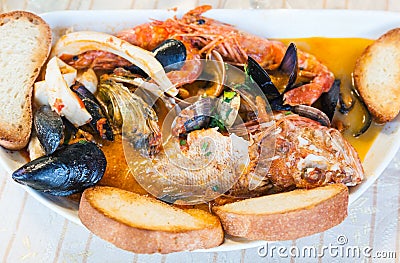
[170,52]
[197,123]
[277,104]
[288,68]
[312,113]
[366,120]
[264,81]
[261,77]
[329,100]
[68,170]
[49,128]
[351,103]
[99,122]
[276,82]
[194,117]
[69,130]
[347,100]
[205,113]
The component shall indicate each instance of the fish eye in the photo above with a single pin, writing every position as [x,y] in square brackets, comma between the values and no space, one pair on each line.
[200,21]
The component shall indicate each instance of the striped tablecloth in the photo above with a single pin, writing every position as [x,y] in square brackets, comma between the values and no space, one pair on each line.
[30,232]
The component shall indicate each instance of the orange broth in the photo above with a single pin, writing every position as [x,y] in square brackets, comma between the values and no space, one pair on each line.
[340,56]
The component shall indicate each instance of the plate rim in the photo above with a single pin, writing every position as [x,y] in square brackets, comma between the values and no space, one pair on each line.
[354,195]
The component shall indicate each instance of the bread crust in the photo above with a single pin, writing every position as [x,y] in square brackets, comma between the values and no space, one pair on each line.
[382,97]
[145,241]
[287,225]
[17,137]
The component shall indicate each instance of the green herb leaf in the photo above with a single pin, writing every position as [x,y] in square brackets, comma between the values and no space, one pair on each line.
[182,142]
[204,146]
[228,95]
[217,123]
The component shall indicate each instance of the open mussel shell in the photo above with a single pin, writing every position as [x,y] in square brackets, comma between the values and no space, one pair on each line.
[289,67]
[207,112]
[278,81]
[171,54]
[68,170]
[283,79]
[328,101]
[197,116]
[261,77]
[312,113]
[351,103]
[49,128]
[99,123]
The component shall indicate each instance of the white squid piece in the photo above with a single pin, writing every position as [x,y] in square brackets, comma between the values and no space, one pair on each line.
[40,88]
[60,97]
[79,42]
[89,79]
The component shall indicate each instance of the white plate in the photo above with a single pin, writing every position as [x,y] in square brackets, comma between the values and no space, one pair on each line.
[267,23]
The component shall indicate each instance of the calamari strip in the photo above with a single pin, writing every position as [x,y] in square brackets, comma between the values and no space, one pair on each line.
[81,41]
[60,97]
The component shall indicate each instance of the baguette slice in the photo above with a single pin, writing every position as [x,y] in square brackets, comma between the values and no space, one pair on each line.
[377,76]
[143,224]
[286,216]
[25,41]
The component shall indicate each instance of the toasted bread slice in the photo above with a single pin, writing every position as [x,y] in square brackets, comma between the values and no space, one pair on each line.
[143,224]
[286,216]
[25,41]
[377,76]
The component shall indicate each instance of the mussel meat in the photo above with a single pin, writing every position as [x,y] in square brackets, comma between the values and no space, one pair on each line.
[49,128]
[352,103]
[68,170]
